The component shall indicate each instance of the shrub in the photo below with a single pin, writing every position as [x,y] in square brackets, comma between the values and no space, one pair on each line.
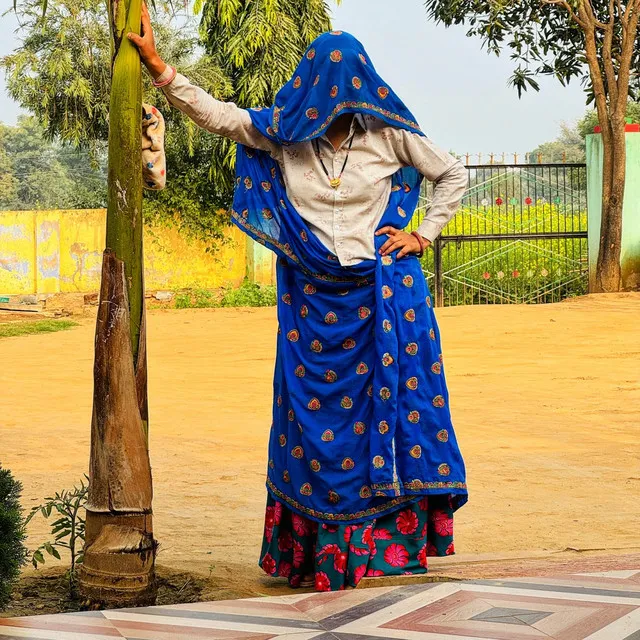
[13,553]
[196,299]
[248,294]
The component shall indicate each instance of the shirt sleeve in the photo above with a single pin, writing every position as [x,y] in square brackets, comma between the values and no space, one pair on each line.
[224,118]
[438,166]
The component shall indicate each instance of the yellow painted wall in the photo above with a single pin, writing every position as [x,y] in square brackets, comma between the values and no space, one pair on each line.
[17,252]
[61,252]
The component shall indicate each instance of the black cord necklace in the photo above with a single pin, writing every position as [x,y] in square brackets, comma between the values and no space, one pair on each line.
[334,182]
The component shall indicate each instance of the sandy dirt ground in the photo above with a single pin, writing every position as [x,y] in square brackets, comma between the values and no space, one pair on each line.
[545,401]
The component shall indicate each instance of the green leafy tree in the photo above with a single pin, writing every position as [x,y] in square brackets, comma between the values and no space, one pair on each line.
[40,174]
[567,147]
[68,88]
[13,553]
[196,200]
[8,179]
[257,44]
[595,41]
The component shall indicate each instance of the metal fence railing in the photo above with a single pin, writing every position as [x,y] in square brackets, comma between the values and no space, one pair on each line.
[520,236]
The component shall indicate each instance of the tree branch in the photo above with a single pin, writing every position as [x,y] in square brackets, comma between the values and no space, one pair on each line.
[622,13]
[599,88]
[592,16]
[607,60]
[568,8]
[628,45]
[631,6]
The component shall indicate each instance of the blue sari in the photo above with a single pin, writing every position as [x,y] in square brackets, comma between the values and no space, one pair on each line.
[361,421]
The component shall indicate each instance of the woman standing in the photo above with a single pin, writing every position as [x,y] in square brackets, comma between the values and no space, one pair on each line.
[364,470]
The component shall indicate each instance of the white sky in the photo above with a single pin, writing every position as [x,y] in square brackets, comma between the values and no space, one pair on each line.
[457,91]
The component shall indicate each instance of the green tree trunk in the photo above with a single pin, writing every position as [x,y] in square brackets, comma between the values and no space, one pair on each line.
[119,561]
[124,203]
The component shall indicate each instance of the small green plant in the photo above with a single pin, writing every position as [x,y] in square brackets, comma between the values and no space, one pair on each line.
[13,553]
[67,530]
[196,299]
[13,329]
[249,294]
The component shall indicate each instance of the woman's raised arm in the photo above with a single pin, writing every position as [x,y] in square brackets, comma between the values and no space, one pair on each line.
[224,118]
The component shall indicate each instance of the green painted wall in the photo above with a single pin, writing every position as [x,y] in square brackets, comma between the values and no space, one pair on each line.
[630,254]
[261,265]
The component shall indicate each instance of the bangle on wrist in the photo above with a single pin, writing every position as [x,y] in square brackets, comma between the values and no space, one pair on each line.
[422,242]
[172,75]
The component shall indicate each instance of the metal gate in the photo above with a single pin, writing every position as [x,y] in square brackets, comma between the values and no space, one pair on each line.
[520,236]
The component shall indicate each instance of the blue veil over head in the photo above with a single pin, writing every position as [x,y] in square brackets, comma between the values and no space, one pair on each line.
[335,76]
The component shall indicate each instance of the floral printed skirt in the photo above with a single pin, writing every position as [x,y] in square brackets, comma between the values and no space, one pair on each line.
[338,556]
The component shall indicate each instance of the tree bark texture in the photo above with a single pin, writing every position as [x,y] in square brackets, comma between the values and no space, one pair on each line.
[608,271]
[118,568]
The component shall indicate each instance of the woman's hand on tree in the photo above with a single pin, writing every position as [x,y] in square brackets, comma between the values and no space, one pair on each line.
[147,46]
[400,241]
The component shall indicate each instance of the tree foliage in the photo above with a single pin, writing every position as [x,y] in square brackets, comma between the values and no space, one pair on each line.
[36,173]
[567,147]
[541,36]
[60,72]
[257,44]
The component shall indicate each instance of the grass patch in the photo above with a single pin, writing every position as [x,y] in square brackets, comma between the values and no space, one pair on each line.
[14,329]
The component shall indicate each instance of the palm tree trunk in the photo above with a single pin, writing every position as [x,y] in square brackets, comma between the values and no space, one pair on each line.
[118,568]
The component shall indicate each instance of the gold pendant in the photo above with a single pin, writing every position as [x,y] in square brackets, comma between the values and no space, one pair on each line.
[335,182]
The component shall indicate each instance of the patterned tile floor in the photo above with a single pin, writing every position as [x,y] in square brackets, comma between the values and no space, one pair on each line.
[601,605]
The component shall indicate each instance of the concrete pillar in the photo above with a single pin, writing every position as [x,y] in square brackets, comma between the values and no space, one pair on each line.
[630,253]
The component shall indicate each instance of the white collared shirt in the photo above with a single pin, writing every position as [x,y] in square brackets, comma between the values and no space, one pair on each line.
[343,219]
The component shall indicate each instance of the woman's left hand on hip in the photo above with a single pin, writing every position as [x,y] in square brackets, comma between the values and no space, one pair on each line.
[400,241]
